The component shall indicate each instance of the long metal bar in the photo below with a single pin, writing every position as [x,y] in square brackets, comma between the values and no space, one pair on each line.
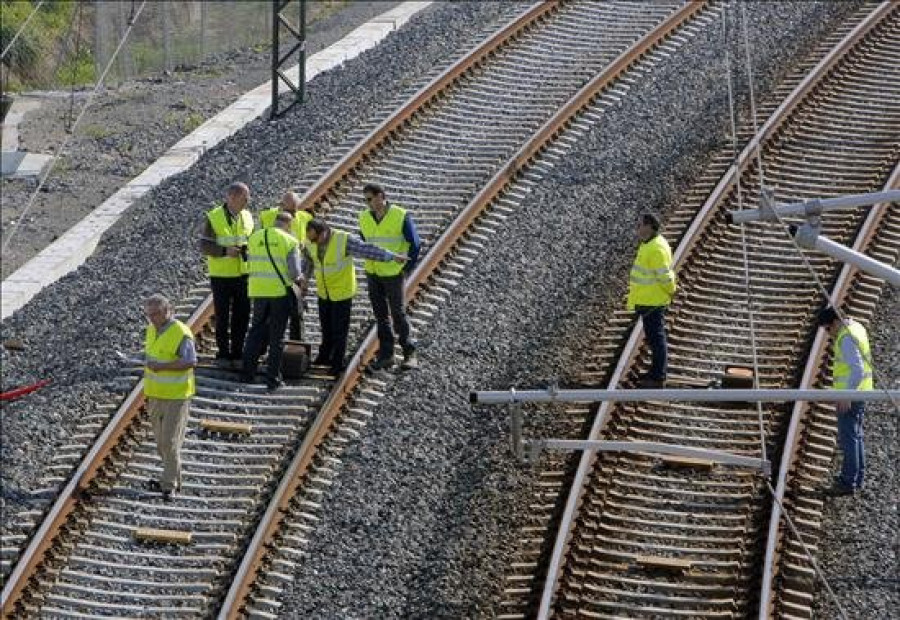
[654,447]
[706,213]
[679,396]
[813,207]
[800,410]
[808,237]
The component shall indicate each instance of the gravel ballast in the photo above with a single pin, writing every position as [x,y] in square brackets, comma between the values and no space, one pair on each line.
[71,328]
[420,520]
[858,546]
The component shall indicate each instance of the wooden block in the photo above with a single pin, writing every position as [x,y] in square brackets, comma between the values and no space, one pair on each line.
[232,428]
[738,378]
[655,561]
[683,461]
[165,536]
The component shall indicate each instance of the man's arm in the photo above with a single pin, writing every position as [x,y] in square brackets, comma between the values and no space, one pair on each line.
[854,359]
[295,269]
[367,251]
[187,357]
[415,244]
[208,245]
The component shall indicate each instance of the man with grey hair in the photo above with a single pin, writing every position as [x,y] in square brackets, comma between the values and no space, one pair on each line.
[170,358]
[223,241]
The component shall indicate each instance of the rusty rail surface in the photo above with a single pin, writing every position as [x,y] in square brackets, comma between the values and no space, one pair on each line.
[812,374]
[46,534]
[711,209]
[444,246]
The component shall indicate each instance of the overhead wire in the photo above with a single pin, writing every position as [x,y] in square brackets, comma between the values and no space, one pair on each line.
[786,228]
[746,266]
[133,18]
[21,29]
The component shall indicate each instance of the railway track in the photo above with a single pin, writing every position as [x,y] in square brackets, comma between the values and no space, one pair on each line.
[450,152]
[629,535]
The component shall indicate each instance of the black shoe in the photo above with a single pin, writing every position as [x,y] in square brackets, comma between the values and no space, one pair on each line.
[649,383]
[410,360]
[838,489]
[271,386]
[337,371]
[167,496]
[320,361]
[383,362]
[153,485]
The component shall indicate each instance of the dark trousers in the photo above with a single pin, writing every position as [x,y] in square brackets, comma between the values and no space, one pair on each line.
[850,439]
[294,331]
[270,317]
[232,307]
[334,317]
[386,295]
[654,320]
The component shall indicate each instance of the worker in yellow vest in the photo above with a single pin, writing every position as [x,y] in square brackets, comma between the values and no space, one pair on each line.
[274,262]
[851,369]
[392,228]
[651,286]
[223,241]
[169,360]
[290,202]
[328,255]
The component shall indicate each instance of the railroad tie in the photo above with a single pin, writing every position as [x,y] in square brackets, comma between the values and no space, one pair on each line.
[230,428]
[663,563]
[176,537]
[686,462]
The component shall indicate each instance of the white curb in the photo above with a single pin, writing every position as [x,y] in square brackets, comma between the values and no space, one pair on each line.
[74,247]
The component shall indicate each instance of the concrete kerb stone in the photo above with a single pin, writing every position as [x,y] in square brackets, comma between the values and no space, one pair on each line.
[78,243]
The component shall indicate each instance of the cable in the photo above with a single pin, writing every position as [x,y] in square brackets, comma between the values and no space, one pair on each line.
[74,125]
[746,261]
[21,28]
[785,227]
[809,555]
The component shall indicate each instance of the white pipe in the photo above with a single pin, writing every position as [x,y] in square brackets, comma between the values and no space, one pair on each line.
[672,395]
[808,237]
[655,447]
[814,207]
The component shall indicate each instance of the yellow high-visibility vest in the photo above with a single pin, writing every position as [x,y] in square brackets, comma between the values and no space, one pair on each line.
[298,225]
[840,369]
[387,235]
[335,275]
[652,281]
[229,236]
[264,279]
[167,384]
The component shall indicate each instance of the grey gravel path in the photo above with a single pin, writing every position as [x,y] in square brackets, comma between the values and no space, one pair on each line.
[70,328]
[859,551]
[416,523]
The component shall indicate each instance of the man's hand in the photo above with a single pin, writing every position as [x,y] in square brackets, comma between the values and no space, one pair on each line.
[301,284]
[232,251]
[400,258]
[842,406]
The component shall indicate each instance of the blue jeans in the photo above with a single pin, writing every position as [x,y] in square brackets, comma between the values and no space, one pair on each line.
[850,440]
[654,320]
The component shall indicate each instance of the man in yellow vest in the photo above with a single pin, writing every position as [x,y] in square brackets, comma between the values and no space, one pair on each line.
[328,255]
[224,241]
[391,228]
[651,286]
[273,258]
[170,358]
[290,202]
[851,369]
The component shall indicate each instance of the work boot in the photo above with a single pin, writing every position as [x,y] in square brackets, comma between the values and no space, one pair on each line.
[410,360]
[383,362]
[649,383]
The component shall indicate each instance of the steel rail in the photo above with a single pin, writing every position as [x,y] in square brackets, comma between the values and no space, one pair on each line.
[811,372]
[78,484]
[275,512]
[709,209]
[47,533]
